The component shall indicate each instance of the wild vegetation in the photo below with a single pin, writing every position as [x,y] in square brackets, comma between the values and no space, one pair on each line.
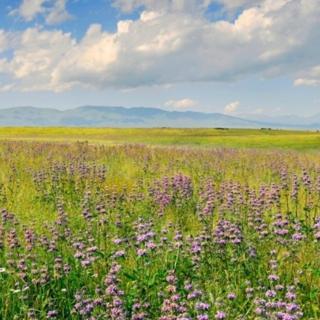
[219,137]
[96,231]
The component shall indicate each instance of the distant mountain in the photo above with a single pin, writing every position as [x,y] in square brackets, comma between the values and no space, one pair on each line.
[285,120]
[94,116]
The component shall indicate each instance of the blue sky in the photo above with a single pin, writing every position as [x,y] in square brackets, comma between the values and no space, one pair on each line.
[232,56]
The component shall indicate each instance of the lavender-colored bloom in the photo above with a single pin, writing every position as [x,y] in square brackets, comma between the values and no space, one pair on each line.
[273,277]
[220,315]
[202,317]
[231,296]
[292,307]
[290,296]
[52,314]
[119,253]
[202,306]
[141,252]
[194,294]
[259,311]
[271,294]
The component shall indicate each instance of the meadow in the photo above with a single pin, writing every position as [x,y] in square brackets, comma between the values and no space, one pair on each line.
[233,138]
[161,224]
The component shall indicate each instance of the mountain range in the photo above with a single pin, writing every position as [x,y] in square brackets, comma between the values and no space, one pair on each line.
[98,116]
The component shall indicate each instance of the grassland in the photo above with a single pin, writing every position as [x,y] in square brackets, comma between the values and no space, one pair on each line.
[131,224]
[234,138]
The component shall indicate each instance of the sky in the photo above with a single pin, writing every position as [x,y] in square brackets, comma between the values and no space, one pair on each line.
[231,56]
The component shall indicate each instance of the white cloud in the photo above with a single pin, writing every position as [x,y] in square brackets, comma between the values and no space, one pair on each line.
[169,44]
[36,55]
[234,4]
[232,107]
[58,13]
[91,62]
[163,5]
[309,78]
[29,9]
[53,11]
[6,87]
[181,104]
[181,5]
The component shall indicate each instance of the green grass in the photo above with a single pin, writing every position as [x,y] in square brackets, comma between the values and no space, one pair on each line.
[235,138]
[124,171]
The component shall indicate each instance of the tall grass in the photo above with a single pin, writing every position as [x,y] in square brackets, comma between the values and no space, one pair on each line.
[135,232]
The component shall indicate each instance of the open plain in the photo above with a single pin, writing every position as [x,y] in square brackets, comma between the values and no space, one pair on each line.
[159,224]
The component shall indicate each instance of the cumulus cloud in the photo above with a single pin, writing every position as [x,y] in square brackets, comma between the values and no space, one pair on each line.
[53,11]
[232,107]
[181,104]
[169,44]
[91,62]
[36,55]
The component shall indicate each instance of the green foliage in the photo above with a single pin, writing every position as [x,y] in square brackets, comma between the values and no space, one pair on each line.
[77,198]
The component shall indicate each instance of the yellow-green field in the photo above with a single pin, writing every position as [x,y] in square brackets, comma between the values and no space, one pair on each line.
[133,225]
[300,140]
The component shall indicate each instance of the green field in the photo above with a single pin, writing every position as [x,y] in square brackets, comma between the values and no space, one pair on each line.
[234,138]
[166,224]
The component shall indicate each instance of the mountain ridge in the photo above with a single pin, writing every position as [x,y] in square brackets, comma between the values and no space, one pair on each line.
[119,116]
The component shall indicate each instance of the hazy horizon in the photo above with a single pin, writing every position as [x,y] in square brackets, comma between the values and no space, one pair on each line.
[234,114]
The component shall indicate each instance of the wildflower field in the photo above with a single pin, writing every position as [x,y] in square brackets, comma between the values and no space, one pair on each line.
[134,231]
